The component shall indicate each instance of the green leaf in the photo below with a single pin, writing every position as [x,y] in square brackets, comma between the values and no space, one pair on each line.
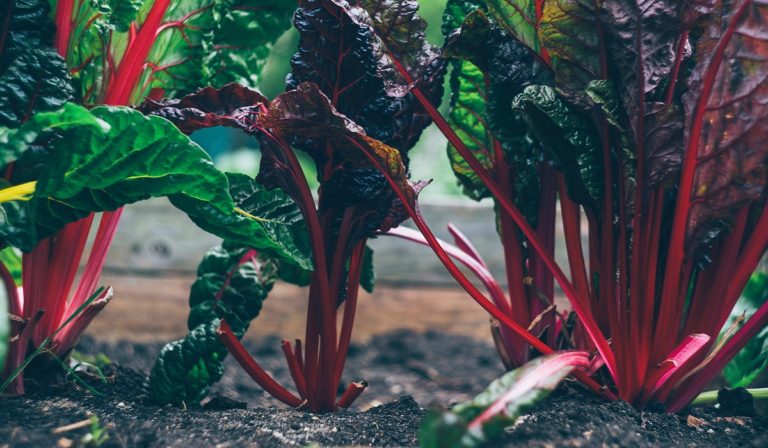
[480,420]
[455,12]
[748,363]
[11,258]
[25,27]
[237,46]
[110,157]
[569,138]
[33,77]
[14,142]
[507,68]
[467,118]
[752,360]
[368,275]
[278,231]
[232,283]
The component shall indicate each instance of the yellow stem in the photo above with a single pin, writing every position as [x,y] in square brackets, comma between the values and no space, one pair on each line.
[21,192]
[242,212]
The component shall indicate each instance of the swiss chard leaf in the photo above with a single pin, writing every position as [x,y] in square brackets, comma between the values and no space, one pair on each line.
[476,422]
[340,52]
[727,118]
[307,114]
[507,68]
[117,156]
[467,117]
[569,138]
[232,283]
[33,77]
[641,43]
[237,46]
[569,31]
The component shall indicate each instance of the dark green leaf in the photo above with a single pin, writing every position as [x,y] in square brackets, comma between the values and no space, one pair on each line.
[456,11]
[25,27]
[749,363]
[232,283]
[508,67]
[36,81]
[569,138]
[368,275]
[479,421]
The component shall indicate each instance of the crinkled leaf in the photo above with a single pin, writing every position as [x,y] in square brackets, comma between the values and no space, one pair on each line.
[33,77]
[641,37]
[569,138]
[232,283]
[455,12]
[727,118]
[479,421]
[340,52]
[14,142]
[306,113]
[508,67]
[569,31]
[663,143]
[25,27]
[403,34]
[36,81]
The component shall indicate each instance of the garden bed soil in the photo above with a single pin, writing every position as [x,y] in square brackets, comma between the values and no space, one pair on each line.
[407,373]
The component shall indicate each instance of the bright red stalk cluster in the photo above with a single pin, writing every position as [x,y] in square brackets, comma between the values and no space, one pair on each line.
[316,364]
[659,348]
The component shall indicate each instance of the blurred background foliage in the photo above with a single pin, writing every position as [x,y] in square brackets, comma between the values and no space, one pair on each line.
[234,151]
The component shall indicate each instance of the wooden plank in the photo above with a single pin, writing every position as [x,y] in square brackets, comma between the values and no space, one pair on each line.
[155,239]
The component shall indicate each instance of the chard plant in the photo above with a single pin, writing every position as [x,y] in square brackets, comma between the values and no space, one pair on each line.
[65,155]
[645,118]
[347,107]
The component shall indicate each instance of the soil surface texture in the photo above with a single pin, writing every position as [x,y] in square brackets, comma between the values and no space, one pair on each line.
[406,371]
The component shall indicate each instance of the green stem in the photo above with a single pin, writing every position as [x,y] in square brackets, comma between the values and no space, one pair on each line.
[710,396]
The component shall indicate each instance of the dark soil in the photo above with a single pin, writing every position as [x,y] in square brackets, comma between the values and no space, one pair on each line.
[406,372]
